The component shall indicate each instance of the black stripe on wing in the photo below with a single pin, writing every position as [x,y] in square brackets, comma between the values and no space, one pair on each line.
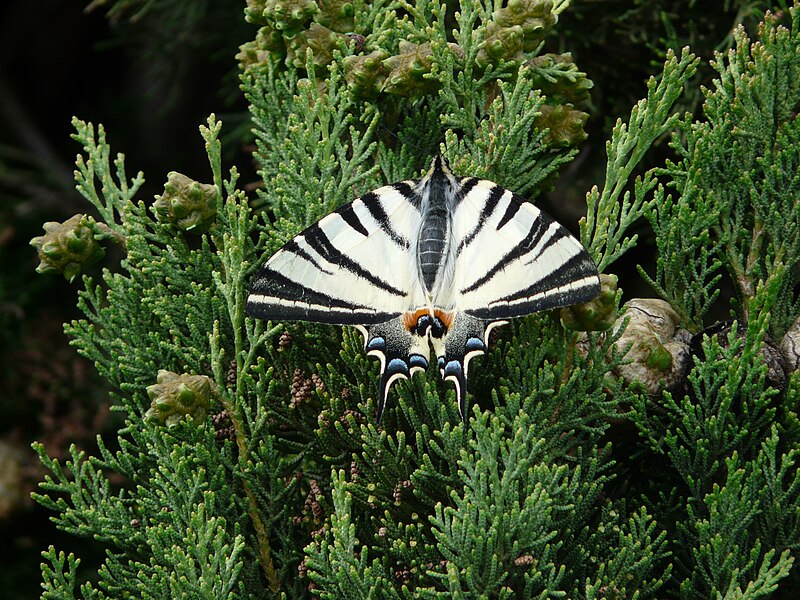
[278,312]
[295,249]
[276,297]
[467,183]
[373,204]
[511,211]
[350,217]
[579,270]
[555,300]
[575,269]
[534,235]
[488,209]
[552,300]
[275,285]
[316,238]
[408,191]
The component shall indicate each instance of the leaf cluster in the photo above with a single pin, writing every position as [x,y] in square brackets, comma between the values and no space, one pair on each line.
[735,184]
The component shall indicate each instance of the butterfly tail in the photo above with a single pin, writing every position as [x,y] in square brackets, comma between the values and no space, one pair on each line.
[400,352]
[466,338]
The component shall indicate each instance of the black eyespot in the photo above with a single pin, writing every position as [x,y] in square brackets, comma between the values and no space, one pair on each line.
[423,324]
[438,329]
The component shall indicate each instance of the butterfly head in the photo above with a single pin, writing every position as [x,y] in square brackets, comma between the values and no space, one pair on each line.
[440,165]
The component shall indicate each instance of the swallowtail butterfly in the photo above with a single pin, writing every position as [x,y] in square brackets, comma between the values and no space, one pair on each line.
[437,262]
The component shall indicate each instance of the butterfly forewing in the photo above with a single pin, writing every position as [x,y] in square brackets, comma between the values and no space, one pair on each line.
[352,267]
[517,260]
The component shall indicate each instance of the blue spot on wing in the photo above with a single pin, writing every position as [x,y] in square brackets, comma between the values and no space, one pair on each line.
[415,360]
[397,365]
[377,343]
[474,344]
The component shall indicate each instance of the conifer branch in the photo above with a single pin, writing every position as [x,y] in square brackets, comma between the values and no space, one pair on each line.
[57,583]
[612,211]
[288,487]
[113,196]
[232,247]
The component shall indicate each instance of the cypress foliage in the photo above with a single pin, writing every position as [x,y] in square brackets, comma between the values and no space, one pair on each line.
[569,478]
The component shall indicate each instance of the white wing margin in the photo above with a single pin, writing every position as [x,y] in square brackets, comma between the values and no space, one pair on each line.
[513,259]
[354,266]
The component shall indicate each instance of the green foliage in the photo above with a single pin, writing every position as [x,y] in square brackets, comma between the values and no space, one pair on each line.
[548,490]
[726,214]
[612,211]
[736,183]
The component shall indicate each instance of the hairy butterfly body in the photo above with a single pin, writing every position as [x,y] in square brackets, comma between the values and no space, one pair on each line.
[436,262]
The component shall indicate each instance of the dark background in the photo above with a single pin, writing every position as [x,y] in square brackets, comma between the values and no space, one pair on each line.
[151,71]
[151,83]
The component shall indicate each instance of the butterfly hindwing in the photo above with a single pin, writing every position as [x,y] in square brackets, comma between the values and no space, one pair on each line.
[351,267]
[401,350]
[466,338]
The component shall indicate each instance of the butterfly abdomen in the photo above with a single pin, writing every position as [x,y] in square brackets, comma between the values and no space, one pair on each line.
[439,193]
[432,244]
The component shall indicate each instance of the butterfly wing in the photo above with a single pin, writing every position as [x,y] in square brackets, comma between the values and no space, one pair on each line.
[466,338]
[513,259]
[401,351]
[353,267]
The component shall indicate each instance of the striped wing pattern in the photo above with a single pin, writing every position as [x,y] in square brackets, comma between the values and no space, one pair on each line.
[515,260]
[353,267]
[433,263]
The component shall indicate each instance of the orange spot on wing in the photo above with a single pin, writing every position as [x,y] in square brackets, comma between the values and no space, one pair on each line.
[410,318]
[445,317]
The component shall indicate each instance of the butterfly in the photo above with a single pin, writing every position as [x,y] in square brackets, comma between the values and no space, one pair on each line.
[435,262]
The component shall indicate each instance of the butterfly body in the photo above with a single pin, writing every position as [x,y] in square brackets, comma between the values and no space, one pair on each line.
[437,262]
